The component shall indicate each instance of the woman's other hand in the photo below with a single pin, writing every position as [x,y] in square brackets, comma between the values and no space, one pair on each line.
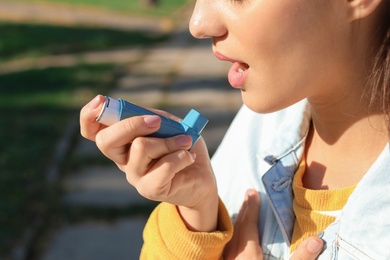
[245,243]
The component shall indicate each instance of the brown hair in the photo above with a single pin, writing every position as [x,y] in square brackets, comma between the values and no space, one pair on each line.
[379,78]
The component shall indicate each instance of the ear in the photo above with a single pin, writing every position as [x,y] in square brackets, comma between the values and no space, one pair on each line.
[360,9]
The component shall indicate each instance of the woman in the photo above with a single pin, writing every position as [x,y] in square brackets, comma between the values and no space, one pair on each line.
[312,138]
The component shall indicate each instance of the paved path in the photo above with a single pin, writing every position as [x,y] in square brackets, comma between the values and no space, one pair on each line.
[179,74]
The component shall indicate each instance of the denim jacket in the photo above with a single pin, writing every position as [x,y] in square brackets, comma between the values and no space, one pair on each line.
[263,152]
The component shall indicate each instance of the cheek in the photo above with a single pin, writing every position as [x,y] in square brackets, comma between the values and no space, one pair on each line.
[286,58]
[278,19]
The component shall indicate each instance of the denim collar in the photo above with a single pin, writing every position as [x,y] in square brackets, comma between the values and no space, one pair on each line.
[291,134]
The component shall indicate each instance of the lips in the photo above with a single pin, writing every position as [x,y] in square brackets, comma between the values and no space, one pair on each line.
[237,73]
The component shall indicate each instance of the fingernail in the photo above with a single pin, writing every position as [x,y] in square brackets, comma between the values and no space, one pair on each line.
[251,192]
[94,102]
[314,246]
[184,140]
[152,121]
[252,197]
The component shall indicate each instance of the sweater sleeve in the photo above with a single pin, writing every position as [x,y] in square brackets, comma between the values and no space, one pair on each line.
[166,236]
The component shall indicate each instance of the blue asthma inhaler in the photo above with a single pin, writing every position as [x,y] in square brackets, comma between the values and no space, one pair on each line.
[115,110]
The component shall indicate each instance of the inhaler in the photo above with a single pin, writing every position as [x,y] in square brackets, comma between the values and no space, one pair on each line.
[115,110]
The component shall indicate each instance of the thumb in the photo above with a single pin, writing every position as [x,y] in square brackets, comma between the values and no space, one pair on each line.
[309,249]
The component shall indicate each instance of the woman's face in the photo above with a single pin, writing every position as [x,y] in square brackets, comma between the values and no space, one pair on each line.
[282,50]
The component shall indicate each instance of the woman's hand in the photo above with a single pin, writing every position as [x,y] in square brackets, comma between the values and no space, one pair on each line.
[160,169]
[245,243]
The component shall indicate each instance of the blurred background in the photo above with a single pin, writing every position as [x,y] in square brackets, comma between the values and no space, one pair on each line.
[59,198]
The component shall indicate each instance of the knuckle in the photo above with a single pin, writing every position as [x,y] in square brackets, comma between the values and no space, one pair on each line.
[169,166]
[184,155]
[148,194]
[86,134]
[101,142]
[83,113]
[152,193]
[130,124]
[139,145]
[169,144]
[83,133]
[129,178]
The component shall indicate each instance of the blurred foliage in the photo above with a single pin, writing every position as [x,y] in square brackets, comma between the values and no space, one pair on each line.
[54,87]
[29,40]
[163,8]
[36,106]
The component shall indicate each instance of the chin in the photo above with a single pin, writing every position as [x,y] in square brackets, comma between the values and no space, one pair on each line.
[260,105]
[264,105]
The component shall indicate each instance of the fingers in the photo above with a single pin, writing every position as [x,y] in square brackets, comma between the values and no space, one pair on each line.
[114,141]
[249,227]
[249,234]
[160,158]
[164,179]
[125,143]
[144,150]
[245,242]
[88,114]
[309,249]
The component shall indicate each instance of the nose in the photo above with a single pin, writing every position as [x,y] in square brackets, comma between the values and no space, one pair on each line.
[206,21]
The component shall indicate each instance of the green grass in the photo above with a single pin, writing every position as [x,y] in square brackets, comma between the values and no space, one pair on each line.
[54,87]
[164,9]
[35,108]
[29,40]
[37,105]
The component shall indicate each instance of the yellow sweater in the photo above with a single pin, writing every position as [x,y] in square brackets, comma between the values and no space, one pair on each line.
[314,209]
[166,236]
